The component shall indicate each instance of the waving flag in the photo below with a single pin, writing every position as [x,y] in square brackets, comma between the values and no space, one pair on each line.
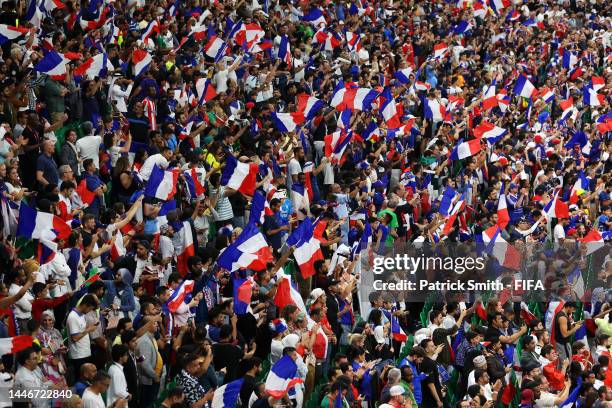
[578,138]
[389,109]
[287,122]
[403,75]
[440,50]
[177,298]
[259,208]
[464,150]
[84,193]
[206,91]
[227,395]
[498,5]
[327,40]
[523,87]
[480,11]
[335,145]
[490,97]
[491,133]
[307,248]
[530,22]
[243,290]
[503,217]
[152,28]
[567,106]
[446,201]
[354,98]
[592,98]
[46,248]
[188,249]
[35,224]
[118,249]
[572,399]
[52,64]
[282,377]
[9,33]
[240,176]
[593,240]
[162,183]
[371,132]
[314,17]
[141,60]
[462,28]
[580,187]
[457,208]
[284,51]
[353,41]
[97,66]
[194,187]
[556,208]
[526,314]
[434,110]
[249,251]
[214,48]
[309,105]
[597,83]
[547,94]
[13,345]
[568,59]
[505,253]
[286,293]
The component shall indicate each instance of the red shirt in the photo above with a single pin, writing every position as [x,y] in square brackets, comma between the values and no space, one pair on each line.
[40,305]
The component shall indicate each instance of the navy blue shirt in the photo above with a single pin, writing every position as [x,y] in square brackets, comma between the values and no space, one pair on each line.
[47,165]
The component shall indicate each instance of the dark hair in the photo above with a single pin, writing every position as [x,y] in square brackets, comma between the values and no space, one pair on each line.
[96,286]
[174,392]
[546,349]
[288,350]
[87,163]
[24,355]
[122,323]
[100,376]
[118,351]
[473,390]
[89,300]
[225,332]
[250,363]
[66,185]
[127,336]
[38,287]
[478,373]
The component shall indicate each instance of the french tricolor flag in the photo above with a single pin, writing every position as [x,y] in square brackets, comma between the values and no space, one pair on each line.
[282,377]
[86,196]
[464,150]
[592,98]
[152,28]
[530,22]
[556,208]
[403,75]
[479,9]
[547,94]
[287,122]
[97,66]
[491,133]
[249,251]
[141,60]
[593,240]
[353,98]
[568,59]
[186,234]
[52,64]
[335,145]
[307,248]
[162,183]
[440,50]
[580,186]
[178,296]
[118,249]
[597,82]
[46,248]
[389,109]
[506,254]
[35,224]
[198,32]
[243,291]
[462,28]
[284,51]
[227,395]
[452,216]
[13,345]
[215,48]
[309,105]
[286,293]
[371,132]
[567,107]
[8,33]
[206,91]
[524,87]
[240,176]
[498,5]
[314,17]
[503,216]
[490,97]
[194,187]
[259,208]
[353,41]
[396,330]
[434,110]
[299,198]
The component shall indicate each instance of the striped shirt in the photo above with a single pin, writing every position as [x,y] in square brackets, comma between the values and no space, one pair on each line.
[224,207]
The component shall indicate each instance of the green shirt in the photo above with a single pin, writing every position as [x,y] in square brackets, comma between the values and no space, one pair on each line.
[392,224]
[329,403]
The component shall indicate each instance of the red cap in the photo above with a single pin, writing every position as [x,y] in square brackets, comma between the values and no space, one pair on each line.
[538,138]
[503,161]
[250,105]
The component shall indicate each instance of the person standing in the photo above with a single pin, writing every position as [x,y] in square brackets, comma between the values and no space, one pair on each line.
[79,350]
[150,368]
[118,385]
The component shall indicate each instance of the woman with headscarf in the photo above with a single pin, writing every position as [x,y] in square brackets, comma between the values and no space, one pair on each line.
[53,348]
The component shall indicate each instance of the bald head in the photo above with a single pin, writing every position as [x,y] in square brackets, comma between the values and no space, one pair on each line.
[88,371]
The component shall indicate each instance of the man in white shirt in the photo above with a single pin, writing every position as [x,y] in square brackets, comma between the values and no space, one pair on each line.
[160,159]
[559,230]
[79,350]
[29,376]
[92,397]
[118,385]
[88,146]
[294,167]
[118,96]
[23,307]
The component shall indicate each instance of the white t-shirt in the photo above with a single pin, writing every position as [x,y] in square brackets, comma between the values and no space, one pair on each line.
[76,325]
[546,400]
[118,384]
[293,169]
[147,166]
[119,96]
[88,148]
[559,232]
[91,400]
